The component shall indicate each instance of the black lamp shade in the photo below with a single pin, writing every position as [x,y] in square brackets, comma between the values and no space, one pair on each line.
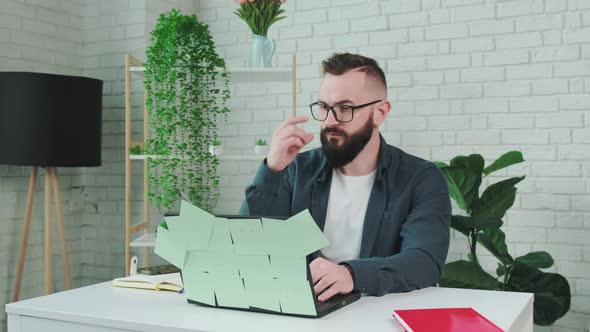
[50,120]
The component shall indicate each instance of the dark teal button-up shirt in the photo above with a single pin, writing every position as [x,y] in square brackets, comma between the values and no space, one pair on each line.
[406,230]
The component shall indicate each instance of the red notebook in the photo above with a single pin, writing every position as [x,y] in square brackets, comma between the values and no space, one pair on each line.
[444,320]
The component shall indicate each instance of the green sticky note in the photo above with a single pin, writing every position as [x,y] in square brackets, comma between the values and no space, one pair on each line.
[193,227]
[169,248]
[214,262]
[263,293]
[220,262]
[288,267]
[230,291]
[296,236]
[276,238]
[254,266]
[248,237]
[296,297]
[221,236]
[303,229]
[198,284]
[170,222]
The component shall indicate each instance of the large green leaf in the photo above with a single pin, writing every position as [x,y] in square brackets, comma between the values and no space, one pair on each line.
[461,224]
[464,224]
[460,181]
[164,225]
[538,259]
[454,190]
[497,198]
[474,163]
[501,270]
[507,159]
[481,223]
[440,164]
[494,240]
[552,292]
[464,274]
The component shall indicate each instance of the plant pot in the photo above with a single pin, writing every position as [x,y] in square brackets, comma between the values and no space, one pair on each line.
[216,150]
[261,50]
[260,150]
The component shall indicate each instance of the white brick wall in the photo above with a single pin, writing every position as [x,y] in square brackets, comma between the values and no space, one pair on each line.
[465,76]
[469,76]
[40,37]
[77,37]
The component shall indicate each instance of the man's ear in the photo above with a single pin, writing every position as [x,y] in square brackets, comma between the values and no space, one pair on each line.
[381,113]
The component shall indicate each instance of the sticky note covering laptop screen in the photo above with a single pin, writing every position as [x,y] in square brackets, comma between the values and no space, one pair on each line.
[242,263]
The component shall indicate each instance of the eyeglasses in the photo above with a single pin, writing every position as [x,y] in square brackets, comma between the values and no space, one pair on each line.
[342,113]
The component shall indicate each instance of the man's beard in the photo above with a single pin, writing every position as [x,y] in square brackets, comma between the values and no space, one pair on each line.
[352,144]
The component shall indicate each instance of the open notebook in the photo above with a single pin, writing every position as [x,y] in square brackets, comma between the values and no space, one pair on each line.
[171,282]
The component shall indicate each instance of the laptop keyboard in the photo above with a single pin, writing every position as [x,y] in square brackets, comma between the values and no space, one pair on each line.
[336,301]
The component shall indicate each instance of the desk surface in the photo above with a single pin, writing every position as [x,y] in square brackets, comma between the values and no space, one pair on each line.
[111,308]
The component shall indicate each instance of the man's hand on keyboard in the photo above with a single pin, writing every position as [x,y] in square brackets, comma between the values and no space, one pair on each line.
[330,279]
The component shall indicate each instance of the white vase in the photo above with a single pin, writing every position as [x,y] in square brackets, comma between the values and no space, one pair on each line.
[216,150]
[261,50]
[260,150]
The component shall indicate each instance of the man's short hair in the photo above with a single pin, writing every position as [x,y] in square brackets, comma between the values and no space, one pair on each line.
[340,63]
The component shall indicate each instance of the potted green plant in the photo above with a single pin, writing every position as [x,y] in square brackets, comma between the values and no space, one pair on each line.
[135,150]
[481,223]
[216,148]
[260,15]
[261,147]
[187,89]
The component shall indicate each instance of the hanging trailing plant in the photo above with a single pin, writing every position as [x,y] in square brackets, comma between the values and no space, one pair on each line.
[187,88]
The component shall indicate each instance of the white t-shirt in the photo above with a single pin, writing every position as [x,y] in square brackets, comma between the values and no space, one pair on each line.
[347,205]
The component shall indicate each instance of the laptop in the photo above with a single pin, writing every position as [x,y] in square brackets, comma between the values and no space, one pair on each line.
[321,308]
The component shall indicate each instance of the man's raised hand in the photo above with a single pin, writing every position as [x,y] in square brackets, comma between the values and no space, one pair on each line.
[287,141]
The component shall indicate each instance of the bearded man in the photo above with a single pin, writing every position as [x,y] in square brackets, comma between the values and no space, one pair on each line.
[385,212]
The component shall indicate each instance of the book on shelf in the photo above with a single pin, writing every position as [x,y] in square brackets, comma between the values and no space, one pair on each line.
[170,282]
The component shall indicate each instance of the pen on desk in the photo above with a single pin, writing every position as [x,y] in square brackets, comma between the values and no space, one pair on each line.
[181,291]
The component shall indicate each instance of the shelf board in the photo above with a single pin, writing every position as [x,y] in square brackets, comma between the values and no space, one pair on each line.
[258,70]
[146,240]
[241,157]
[222,157]
[248,74]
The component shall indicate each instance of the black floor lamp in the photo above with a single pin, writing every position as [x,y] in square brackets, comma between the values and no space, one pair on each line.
[49,121]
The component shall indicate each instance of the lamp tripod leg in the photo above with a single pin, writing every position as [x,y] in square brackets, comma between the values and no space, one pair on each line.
[25,235]
[48,244]
[61,229]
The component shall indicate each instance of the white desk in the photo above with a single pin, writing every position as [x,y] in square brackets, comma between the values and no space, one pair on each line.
[105,308]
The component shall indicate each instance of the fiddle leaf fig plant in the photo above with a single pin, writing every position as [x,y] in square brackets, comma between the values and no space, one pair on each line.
[187,89]
[481,224]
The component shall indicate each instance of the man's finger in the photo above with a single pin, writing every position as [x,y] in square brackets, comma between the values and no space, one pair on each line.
[294,142]
[292,131]
[316,275]
[325,296]
[293,121]
[323,284]
[316,271]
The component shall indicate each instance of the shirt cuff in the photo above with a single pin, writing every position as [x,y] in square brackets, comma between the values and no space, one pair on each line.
[361,275]
[266,176]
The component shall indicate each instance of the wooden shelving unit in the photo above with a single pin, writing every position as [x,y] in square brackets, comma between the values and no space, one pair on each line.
[141,228]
